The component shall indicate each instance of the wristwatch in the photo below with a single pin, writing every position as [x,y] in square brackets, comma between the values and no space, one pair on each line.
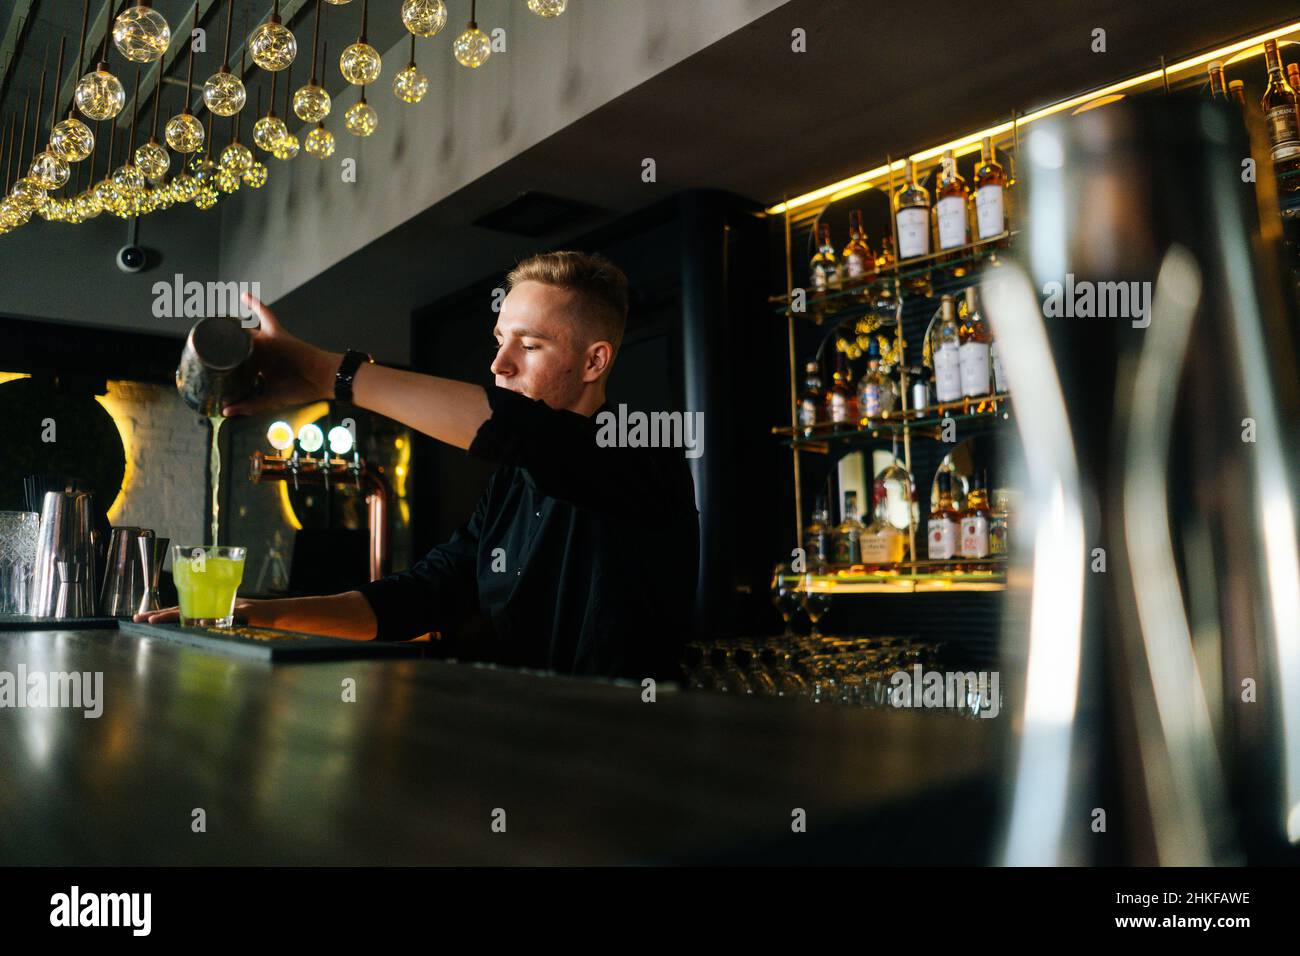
[352,360]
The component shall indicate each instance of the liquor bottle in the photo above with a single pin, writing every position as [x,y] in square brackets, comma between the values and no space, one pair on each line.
[945,353]
[858,260]
[973,352]
[848,533]
[824,268]
[998,523]
[943,524]
[919,377]
[877,393]
[912,216]
[950,205]
[841,402]
[812,402]
[1237,91]
[975,521]
[818,537]
[1279,106]
[1218,88]
[883,545]
[886,259]
[900,499]
[990,193]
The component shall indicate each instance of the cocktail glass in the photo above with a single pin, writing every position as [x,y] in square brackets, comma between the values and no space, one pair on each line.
[207,579]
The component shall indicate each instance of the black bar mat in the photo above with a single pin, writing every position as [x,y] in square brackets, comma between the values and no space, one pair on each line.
[266,644]
[25,622]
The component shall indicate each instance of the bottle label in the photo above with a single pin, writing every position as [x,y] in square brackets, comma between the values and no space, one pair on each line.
[952,222]
[988,211]
[847,548]
[871,401]
[975,537]
[884,547]
[1283,132]
[807,412]
[819,278]
[947,373]
[856,265]
[943,539]
[913,232]
[998,535]
[839,409]
[998,384]
[974,362]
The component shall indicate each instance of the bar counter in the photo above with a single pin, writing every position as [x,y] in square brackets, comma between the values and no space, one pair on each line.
[414,770]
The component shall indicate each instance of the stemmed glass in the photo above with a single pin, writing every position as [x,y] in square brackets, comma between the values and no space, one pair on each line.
[816,601]
[785,594]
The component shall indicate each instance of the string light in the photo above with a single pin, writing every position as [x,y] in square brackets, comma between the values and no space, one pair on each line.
[311,104]
[272,45]
[183,132]
[141,33]
[287,148]
[99,94]
[424,18]
[224,92]
[547,8]
[71,138]
[361,118]
[360,63]
[410,85]
[153,158]
[320,142]
[472,48]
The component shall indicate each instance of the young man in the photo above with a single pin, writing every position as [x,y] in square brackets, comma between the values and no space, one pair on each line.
[578,558]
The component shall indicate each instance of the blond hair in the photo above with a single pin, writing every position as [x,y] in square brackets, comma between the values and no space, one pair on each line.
[599,284]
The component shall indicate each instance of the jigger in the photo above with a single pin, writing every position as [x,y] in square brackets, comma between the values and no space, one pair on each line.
[123,583]
[152,552]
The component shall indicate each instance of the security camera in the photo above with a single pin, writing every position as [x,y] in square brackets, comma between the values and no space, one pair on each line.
[130,259]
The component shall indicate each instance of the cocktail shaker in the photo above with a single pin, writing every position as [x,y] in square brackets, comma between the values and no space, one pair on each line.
[67,518]
[216,366]
[124,582]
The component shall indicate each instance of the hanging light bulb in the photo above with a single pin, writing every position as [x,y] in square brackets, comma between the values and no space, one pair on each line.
[152,158]
[311,103]
[206,199]
[49,170]
[287,148]
[547,8]
[99,94]
[236,158]
[226,180]
[320,142]
[184,187]
[224,92]
[184,133]
[72,139]
[472,48]
[424,18]
[410,85]
[141,33]
[128,179]
[361,118]
[273,45]
[360,63]
[268,131]
[28,193]
[256,176]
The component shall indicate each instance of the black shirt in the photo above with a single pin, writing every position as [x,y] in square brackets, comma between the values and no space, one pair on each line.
[578,558]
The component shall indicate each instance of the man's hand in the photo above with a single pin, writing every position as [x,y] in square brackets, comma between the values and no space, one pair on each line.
[250,612]
[294,372]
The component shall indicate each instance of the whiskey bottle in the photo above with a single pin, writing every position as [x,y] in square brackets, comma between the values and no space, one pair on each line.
[883,545]
[858,260]
[1218,88]
[998,523]
[912,216]
[812,403]
[1279,106]
[973,352]
[818,537]
[943,524]
[824,268]
[877,394]
[1237,91]
[848,533]
[945,353]
[886,259]
[950,205]
[975,521]
[841,404]
[990,193]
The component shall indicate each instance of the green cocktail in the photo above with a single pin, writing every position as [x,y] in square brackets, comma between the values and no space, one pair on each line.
[206,582]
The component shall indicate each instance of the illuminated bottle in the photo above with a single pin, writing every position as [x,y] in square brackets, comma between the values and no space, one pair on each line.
[990,193]
[1279,106]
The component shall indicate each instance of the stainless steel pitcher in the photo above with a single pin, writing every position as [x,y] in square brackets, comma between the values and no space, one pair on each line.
[216,368]
[67,518]
[124,582]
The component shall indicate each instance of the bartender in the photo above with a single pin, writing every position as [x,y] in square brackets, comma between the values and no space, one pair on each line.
[578,558]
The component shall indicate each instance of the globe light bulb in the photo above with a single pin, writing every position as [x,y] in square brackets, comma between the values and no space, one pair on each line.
[361,119]
[162,198]
[273,45]
[311,438]
[72,139]
[320,143]
[28,194]
[337,3]
[128,179]
[226,180]
[280,436]
[268,131]
[99,94]
[410,85]
[141,34]
[360,64]
[287,148]
[256,176]
[203,171]
[49,170]
[90,207]
[153,160]
[424,18]
[224,93]
[472,48]
[311,103]
[184,133]
[547,8]
[237,158]
[13,214]
[206,198]
[340,440]
[106,194]
[184,187]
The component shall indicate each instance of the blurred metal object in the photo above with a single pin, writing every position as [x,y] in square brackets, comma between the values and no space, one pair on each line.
[124,583]
[153,550]
[216,366]
[65,538]
[1150,342]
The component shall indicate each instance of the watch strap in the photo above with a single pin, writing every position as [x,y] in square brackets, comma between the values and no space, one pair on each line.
[352,360]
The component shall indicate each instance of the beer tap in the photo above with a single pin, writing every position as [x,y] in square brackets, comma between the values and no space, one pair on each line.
[280,437]
[311,439]
[341,442]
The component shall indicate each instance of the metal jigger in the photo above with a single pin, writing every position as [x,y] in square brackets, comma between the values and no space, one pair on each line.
[152,553]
